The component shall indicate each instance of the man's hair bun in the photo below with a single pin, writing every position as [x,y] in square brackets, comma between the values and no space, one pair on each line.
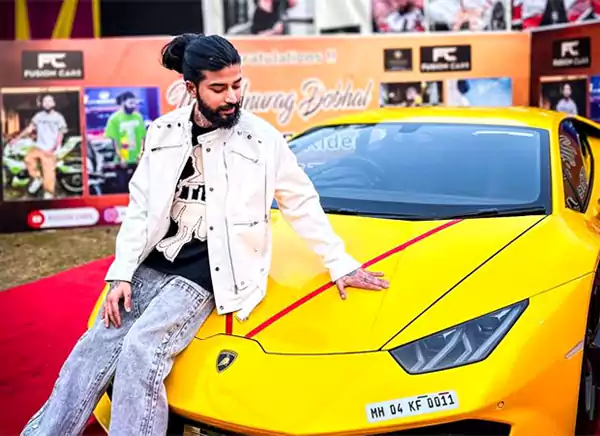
[191,54]
[173,53]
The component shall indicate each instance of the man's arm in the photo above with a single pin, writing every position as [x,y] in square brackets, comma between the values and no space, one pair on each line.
[132,237]
[27,131]
[111,131]
[300,206]
[62,130]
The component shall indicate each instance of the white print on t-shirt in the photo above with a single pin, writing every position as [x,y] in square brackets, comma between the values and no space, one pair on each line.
[188,210]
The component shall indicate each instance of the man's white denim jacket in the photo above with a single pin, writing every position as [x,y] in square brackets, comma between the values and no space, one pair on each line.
[245,169]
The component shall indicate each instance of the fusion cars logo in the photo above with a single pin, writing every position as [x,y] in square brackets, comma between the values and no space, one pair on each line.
[36,65]
[445,58]
[571,53]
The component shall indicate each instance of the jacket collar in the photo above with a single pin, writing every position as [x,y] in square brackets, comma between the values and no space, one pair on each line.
[240,139]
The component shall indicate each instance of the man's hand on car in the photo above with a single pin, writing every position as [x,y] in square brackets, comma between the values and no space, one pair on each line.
[361,279]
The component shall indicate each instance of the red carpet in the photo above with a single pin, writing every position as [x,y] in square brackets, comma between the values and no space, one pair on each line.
[39,325]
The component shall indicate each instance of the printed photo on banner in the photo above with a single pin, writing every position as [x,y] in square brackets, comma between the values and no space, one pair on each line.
[566,94]
[490,92]
[411,94]
[268,17]
[117,119]
[475,15]
[595,98]
[527,14]
[41,143]
[397,16]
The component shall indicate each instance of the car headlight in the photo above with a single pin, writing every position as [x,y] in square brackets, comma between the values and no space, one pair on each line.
[466,343]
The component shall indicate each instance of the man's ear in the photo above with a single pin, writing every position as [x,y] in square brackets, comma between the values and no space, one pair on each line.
[190,87]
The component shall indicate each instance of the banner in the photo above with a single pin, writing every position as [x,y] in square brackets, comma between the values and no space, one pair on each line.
[565,70]
[106,92]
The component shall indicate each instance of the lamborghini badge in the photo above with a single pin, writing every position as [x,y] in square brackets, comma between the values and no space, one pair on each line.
[225,359]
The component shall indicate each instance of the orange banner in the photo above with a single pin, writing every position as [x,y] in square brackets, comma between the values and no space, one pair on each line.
[291,82]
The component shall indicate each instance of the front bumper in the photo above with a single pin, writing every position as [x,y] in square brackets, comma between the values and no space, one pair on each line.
[528,385]
[184,427]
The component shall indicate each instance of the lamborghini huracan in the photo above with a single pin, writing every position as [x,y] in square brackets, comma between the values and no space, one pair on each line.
[486,223]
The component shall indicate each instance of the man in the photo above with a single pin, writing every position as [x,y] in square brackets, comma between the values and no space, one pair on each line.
[196,236]
[50,127]
[413,98]
[566,103]
[126,128]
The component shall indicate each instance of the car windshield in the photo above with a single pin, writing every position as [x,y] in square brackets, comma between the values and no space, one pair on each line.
[427,170]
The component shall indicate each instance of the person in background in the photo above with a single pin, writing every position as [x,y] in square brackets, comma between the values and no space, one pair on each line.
[127,130]
[268,16]
[413,98]
[50,126]
[566,103]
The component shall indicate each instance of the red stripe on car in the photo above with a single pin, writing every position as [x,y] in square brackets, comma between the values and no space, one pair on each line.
[229,323]
[323,288]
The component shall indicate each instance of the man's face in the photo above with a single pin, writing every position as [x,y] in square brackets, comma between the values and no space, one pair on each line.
[567,91]
[219,96]
[411,94]
[48,103]
[130,105]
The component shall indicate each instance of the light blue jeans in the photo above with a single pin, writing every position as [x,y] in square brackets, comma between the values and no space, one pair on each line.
[166,313]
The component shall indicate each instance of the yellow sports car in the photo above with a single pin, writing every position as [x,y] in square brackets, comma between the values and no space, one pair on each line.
[486,222]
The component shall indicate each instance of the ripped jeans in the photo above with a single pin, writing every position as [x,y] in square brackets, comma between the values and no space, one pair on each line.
[167,311]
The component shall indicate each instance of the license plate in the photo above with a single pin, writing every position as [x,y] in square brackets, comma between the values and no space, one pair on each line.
[411,406]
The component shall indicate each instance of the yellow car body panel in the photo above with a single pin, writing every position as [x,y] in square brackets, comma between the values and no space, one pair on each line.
[319,395]
[314,367]
[375,317]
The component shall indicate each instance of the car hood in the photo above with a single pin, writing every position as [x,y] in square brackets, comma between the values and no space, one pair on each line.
[423,260]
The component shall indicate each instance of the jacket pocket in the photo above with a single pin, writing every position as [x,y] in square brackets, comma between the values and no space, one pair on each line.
[249,247]
[247,188]
[246,156]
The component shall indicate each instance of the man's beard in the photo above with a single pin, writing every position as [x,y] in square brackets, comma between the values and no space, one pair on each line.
[215,117]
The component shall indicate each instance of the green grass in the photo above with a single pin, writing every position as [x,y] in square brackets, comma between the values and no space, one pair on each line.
[25,257]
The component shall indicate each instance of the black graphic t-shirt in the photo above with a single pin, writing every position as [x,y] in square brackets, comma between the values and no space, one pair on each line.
[183,251]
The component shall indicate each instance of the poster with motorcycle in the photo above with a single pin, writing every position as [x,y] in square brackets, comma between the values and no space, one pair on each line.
[41,153]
